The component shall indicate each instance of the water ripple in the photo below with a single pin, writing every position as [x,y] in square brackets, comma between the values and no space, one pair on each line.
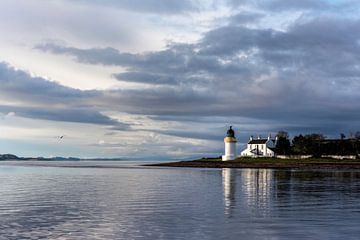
[132,202]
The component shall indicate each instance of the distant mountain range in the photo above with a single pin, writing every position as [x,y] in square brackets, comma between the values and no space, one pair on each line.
[12,157]
[4,157]
[9,157]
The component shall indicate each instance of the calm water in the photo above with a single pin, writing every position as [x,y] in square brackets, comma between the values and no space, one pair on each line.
[132,202]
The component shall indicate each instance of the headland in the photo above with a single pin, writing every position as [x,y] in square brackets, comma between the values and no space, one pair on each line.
[274,163]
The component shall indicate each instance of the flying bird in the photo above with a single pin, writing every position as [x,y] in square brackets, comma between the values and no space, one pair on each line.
[60,137]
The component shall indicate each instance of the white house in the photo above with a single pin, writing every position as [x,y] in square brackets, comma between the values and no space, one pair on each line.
[260,147]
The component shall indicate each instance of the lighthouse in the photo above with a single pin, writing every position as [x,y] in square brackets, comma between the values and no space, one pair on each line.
[230,145]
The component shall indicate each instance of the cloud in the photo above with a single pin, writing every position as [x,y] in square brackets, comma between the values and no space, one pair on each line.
[296,5]
[204,135]
[104,56]
[149,6]
[10,114]
[246,17]
[158,101]
[282,5]
[148,78]
[65,115]
[236,70]
[35,97]
[21,87]
[36,20]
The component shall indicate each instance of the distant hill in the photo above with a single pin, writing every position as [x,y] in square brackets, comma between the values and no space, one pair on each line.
[12,157]
[4,157]
[9,157]
[63,159]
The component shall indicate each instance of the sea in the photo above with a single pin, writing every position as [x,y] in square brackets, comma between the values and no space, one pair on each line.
[125,200]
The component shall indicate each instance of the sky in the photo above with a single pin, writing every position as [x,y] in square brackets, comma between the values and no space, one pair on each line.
[164,79]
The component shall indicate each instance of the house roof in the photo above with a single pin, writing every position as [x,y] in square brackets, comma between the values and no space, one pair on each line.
[258,141]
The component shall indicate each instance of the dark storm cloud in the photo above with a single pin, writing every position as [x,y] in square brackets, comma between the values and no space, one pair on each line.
[149,6]
[104,56]
[20,86]
[159,101]
[245,17]
[142,77]
[64,115]
[237,3]
[38,98]
[237,38]
[283,5]
[177,64]
[307,73]
[200,135]
[295,4]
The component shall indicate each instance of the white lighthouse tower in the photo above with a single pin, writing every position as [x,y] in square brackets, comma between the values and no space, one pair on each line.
[230,145]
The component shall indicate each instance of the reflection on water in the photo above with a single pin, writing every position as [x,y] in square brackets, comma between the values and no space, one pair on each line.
[228,177]
[132,202]
[315,204]
[257,186]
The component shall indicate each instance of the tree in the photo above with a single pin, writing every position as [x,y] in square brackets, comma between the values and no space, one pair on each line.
[315,136]
[282,143]
[314,143]
[342,136]
[310,144]
[299,145]
[357,135]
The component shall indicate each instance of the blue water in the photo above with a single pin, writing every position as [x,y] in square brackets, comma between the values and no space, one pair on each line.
[84,200]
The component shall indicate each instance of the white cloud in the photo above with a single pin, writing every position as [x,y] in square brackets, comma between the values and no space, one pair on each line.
[10,114]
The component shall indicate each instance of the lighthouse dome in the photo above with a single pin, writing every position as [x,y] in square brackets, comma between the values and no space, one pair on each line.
[230,133]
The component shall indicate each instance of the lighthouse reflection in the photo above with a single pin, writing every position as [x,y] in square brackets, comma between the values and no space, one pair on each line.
[256,188]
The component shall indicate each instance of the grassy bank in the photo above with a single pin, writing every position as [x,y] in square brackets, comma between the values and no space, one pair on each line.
[244,162]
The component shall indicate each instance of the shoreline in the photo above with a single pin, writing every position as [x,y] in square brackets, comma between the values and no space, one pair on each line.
[276,163]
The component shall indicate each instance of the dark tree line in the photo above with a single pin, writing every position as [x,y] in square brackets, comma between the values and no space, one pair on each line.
[316,144]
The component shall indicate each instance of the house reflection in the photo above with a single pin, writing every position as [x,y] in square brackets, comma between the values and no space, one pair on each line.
[266,192]
[228,177]
[256,189]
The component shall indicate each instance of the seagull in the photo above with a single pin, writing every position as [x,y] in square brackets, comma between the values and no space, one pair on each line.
[60,137]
